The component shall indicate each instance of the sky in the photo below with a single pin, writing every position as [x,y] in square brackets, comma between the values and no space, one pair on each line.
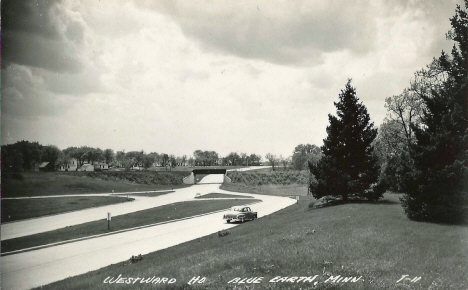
[228,76]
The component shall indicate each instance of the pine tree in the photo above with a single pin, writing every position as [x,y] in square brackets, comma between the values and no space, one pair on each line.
[348,167]
[437,189]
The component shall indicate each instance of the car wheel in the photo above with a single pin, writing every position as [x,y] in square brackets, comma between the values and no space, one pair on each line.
[228,221]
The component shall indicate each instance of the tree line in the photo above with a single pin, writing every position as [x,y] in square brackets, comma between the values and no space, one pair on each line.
[25,155]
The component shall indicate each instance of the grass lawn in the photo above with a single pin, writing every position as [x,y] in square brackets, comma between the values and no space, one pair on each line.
[150,194]
[19,209]
[268,189]
[54,183]
[140,218]
[373,240]
[223,195]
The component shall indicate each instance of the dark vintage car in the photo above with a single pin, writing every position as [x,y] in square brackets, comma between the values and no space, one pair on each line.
[240,213]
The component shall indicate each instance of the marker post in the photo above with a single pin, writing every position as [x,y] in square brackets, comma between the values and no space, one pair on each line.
[108,220]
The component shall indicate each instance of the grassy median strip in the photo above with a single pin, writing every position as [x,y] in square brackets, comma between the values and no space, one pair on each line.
[20,209]
[148,194]
[140,218]
[374,241]
[223,195]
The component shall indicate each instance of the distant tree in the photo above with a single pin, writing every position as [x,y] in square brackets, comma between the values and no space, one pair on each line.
[31,154]
[172,162]
[199,158]
[212,158]
[404,111]
[348,167]
[147,161]
[164,159]
[191,161]
[285,161]
[391,148]
[272,159]
[155,157]
[254,160]
[233,159]
[437,188]
[303,153]
[119,157]
[108,155]
[133,159]
[243,158]
[51,154]
[92,155]
[127,162]
[12,158]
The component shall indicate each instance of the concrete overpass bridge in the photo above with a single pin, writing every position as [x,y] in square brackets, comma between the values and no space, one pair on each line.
[192,178]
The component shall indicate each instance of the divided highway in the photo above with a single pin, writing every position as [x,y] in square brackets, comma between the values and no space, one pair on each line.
[39,267]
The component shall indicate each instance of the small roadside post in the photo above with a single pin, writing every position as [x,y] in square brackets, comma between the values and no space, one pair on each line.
[297,199]
[112,191]
[108,220]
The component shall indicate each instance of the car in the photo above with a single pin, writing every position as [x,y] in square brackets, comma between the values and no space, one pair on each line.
[240,213]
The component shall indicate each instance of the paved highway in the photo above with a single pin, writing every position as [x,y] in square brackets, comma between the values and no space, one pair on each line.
[39,267]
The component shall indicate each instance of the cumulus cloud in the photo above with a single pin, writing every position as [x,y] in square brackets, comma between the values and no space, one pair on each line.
[41,34]
[283,32]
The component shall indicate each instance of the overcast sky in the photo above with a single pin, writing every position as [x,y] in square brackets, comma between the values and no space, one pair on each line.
[177,76]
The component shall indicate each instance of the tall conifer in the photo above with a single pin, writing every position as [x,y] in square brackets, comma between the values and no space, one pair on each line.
[437,189]
[348,167]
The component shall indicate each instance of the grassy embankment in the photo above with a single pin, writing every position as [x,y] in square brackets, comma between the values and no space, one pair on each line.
[64,183]
[372,240]
[127,221]
[280,183]
[20,209]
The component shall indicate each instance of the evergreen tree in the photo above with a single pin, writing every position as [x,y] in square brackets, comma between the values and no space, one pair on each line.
[348,167]
[437,189]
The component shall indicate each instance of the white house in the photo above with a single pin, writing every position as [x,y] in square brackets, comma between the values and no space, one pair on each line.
[71,166]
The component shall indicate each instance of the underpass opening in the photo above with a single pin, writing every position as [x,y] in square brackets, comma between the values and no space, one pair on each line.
[203,172]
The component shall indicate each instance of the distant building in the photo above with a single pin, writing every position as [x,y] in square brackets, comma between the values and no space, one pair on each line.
[71,166]
[46,166]
[101,166]
[181,162]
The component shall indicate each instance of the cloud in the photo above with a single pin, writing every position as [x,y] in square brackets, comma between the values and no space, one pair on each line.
[290,33]
[26,96]
[41,34]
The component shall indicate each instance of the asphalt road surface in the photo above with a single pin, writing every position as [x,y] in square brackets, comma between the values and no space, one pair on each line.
[40,267]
